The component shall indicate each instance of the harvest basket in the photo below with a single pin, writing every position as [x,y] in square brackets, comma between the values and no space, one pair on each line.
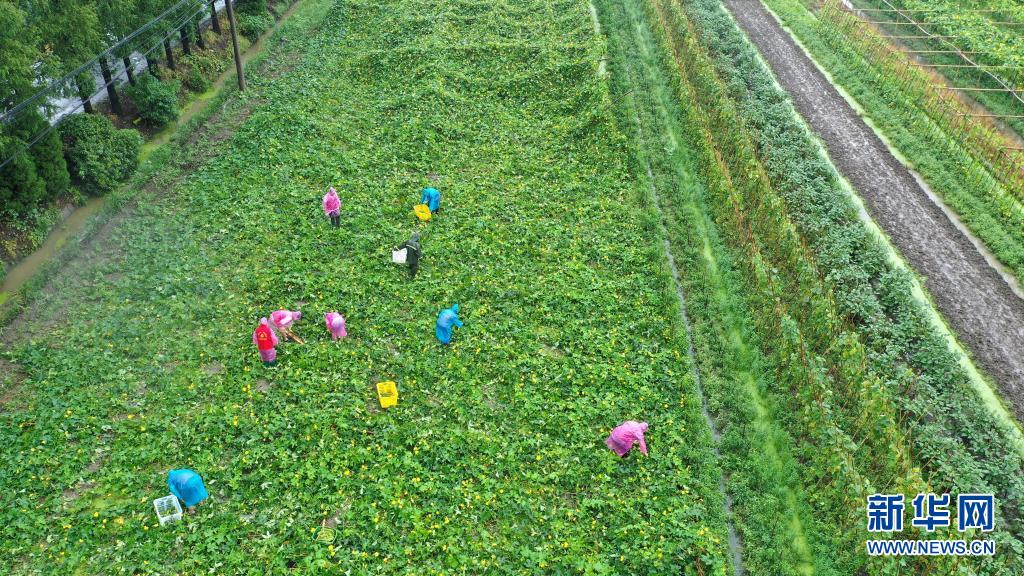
[167,509]
[387,393]
[422,212]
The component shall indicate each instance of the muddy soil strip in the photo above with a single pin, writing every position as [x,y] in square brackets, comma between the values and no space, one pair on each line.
[983,309]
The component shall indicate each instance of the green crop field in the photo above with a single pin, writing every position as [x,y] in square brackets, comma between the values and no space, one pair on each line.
[494,458]
[636,225]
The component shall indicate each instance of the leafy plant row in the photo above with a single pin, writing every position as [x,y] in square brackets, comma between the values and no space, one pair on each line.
[901,371]
[837,457]
[966,448]
[772,506]
[664,167]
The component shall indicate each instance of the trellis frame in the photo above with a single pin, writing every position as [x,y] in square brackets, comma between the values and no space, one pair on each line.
[954,117]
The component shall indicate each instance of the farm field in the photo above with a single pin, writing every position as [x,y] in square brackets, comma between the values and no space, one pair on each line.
[966,288]
[864,296]
[647,215]
[899,102]
[494,459]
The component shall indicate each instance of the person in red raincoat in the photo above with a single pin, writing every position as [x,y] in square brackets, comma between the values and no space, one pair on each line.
[265,340]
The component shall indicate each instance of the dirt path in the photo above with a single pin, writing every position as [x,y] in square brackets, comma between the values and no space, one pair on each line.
[976,301]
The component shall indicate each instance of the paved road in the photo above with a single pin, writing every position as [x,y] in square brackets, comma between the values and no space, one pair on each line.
[62,106]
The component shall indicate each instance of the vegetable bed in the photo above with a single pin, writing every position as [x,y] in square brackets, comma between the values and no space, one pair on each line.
[893,409]
[493,461]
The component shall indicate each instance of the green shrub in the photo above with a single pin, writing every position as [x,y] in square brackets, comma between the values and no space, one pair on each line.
[21,188]
[253,25]
[99,155]
[254,7]
[200,68]
[48,154]
[41,223]
[156,100]
[196,81]
[253,18]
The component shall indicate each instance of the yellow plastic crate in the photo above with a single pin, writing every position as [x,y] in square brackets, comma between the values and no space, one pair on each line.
[387,393]
[422,212]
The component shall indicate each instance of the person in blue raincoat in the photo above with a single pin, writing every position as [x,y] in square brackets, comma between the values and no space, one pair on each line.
[432,198]
[446,320]
[188,487]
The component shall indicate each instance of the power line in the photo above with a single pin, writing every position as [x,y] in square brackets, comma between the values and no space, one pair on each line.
[72,75]
[81,104]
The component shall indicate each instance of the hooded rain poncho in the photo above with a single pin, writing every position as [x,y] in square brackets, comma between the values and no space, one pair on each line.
[336,325]
[625,435]
[432,198]
[332,204]
[413,251]
[188,486]
[446,320]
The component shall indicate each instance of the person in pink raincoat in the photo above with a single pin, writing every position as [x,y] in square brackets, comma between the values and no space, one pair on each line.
[265,340]
[336,325]
[624,435]
[283,320]
[332,207]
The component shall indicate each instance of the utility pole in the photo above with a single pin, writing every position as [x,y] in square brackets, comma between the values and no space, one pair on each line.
[214,20]
[234,45]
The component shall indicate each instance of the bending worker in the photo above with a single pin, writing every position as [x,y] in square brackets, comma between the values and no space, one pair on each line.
[413,251]
[625,435]
[432,198]
[446,320]
[188,487]
[283,320]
